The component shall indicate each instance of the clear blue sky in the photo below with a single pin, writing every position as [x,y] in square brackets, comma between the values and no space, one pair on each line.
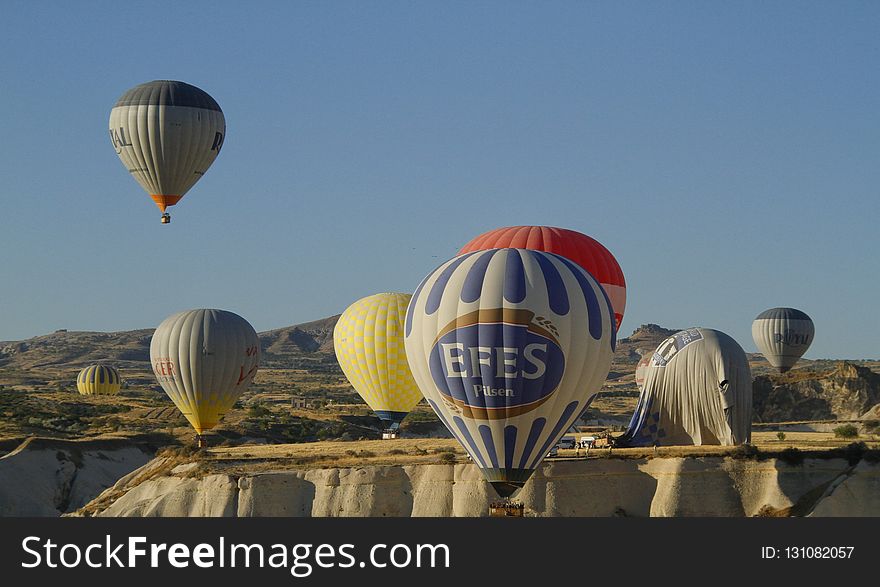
[727,153]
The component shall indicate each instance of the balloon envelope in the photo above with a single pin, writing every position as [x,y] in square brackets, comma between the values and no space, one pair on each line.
[368,341]
[204,360]
[98,380]
[697,390]
[580,248]
[641,370]
[167,134]
[509,346]
[783,335]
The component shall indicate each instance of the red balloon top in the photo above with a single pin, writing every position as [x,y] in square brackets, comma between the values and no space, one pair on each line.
[583,250]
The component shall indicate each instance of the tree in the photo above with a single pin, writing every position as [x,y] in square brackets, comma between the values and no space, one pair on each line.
[846,431]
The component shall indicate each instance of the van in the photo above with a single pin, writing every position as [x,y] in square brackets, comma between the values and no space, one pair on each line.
[566,442]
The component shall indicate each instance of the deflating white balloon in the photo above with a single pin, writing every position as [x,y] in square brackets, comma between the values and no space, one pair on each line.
[697,390]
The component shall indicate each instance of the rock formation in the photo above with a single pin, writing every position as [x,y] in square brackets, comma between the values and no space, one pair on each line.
[846,393]
[45,477]
[643,340]
[669,486]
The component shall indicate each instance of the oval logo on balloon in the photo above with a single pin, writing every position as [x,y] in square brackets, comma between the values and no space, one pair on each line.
[497,363]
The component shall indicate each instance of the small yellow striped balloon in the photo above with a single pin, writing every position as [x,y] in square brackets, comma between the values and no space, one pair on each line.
[98,380]
[368,340]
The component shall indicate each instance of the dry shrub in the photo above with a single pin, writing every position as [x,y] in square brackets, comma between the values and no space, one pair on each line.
[447,458]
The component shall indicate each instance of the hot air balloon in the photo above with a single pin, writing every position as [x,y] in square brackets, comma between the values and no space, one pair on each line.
[204,360]
[583,250]
[783,335]
[697,390]
[98,380]
[508,347]
[368,340]
[167,134]
[641,370]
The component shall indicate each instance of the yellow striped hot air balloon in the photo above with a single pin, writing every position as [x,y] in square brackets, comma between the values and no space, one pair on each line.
[368,340]
[98,380]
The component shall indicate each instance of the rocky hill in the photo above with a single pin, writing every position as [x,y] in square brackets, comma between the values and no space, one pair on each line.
[289,347]
[63,349]
[846,392]
[644,340]
[814,390]
[284,347]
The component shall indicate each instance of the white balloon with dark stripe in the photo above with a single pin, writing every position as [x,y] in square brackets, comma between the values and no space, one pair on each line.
[509,346]
[783,335]
[167,134]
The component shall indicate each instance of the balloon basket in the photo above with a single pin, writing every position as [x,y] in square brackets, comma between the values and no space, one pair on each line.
[389,434]
[201,441]
[506,509]
[166,218]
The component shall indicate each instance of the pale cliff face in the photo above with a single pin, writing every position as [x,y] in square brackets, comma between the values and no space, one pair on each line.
[846,393]
[706,486]
[45,477]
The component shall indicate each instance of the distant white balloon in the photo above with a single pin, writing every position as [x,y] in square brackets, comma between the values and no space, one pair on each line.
[783,335]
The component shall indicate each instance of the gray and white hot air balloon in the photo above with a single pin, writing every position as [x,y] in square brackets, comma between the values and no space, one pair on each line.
[697,390]
[167,134]
[204,360]
[783,335]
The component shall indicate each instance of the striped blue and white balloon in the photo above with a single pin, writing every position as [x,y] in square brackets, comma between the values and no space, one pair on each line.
[508,347]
